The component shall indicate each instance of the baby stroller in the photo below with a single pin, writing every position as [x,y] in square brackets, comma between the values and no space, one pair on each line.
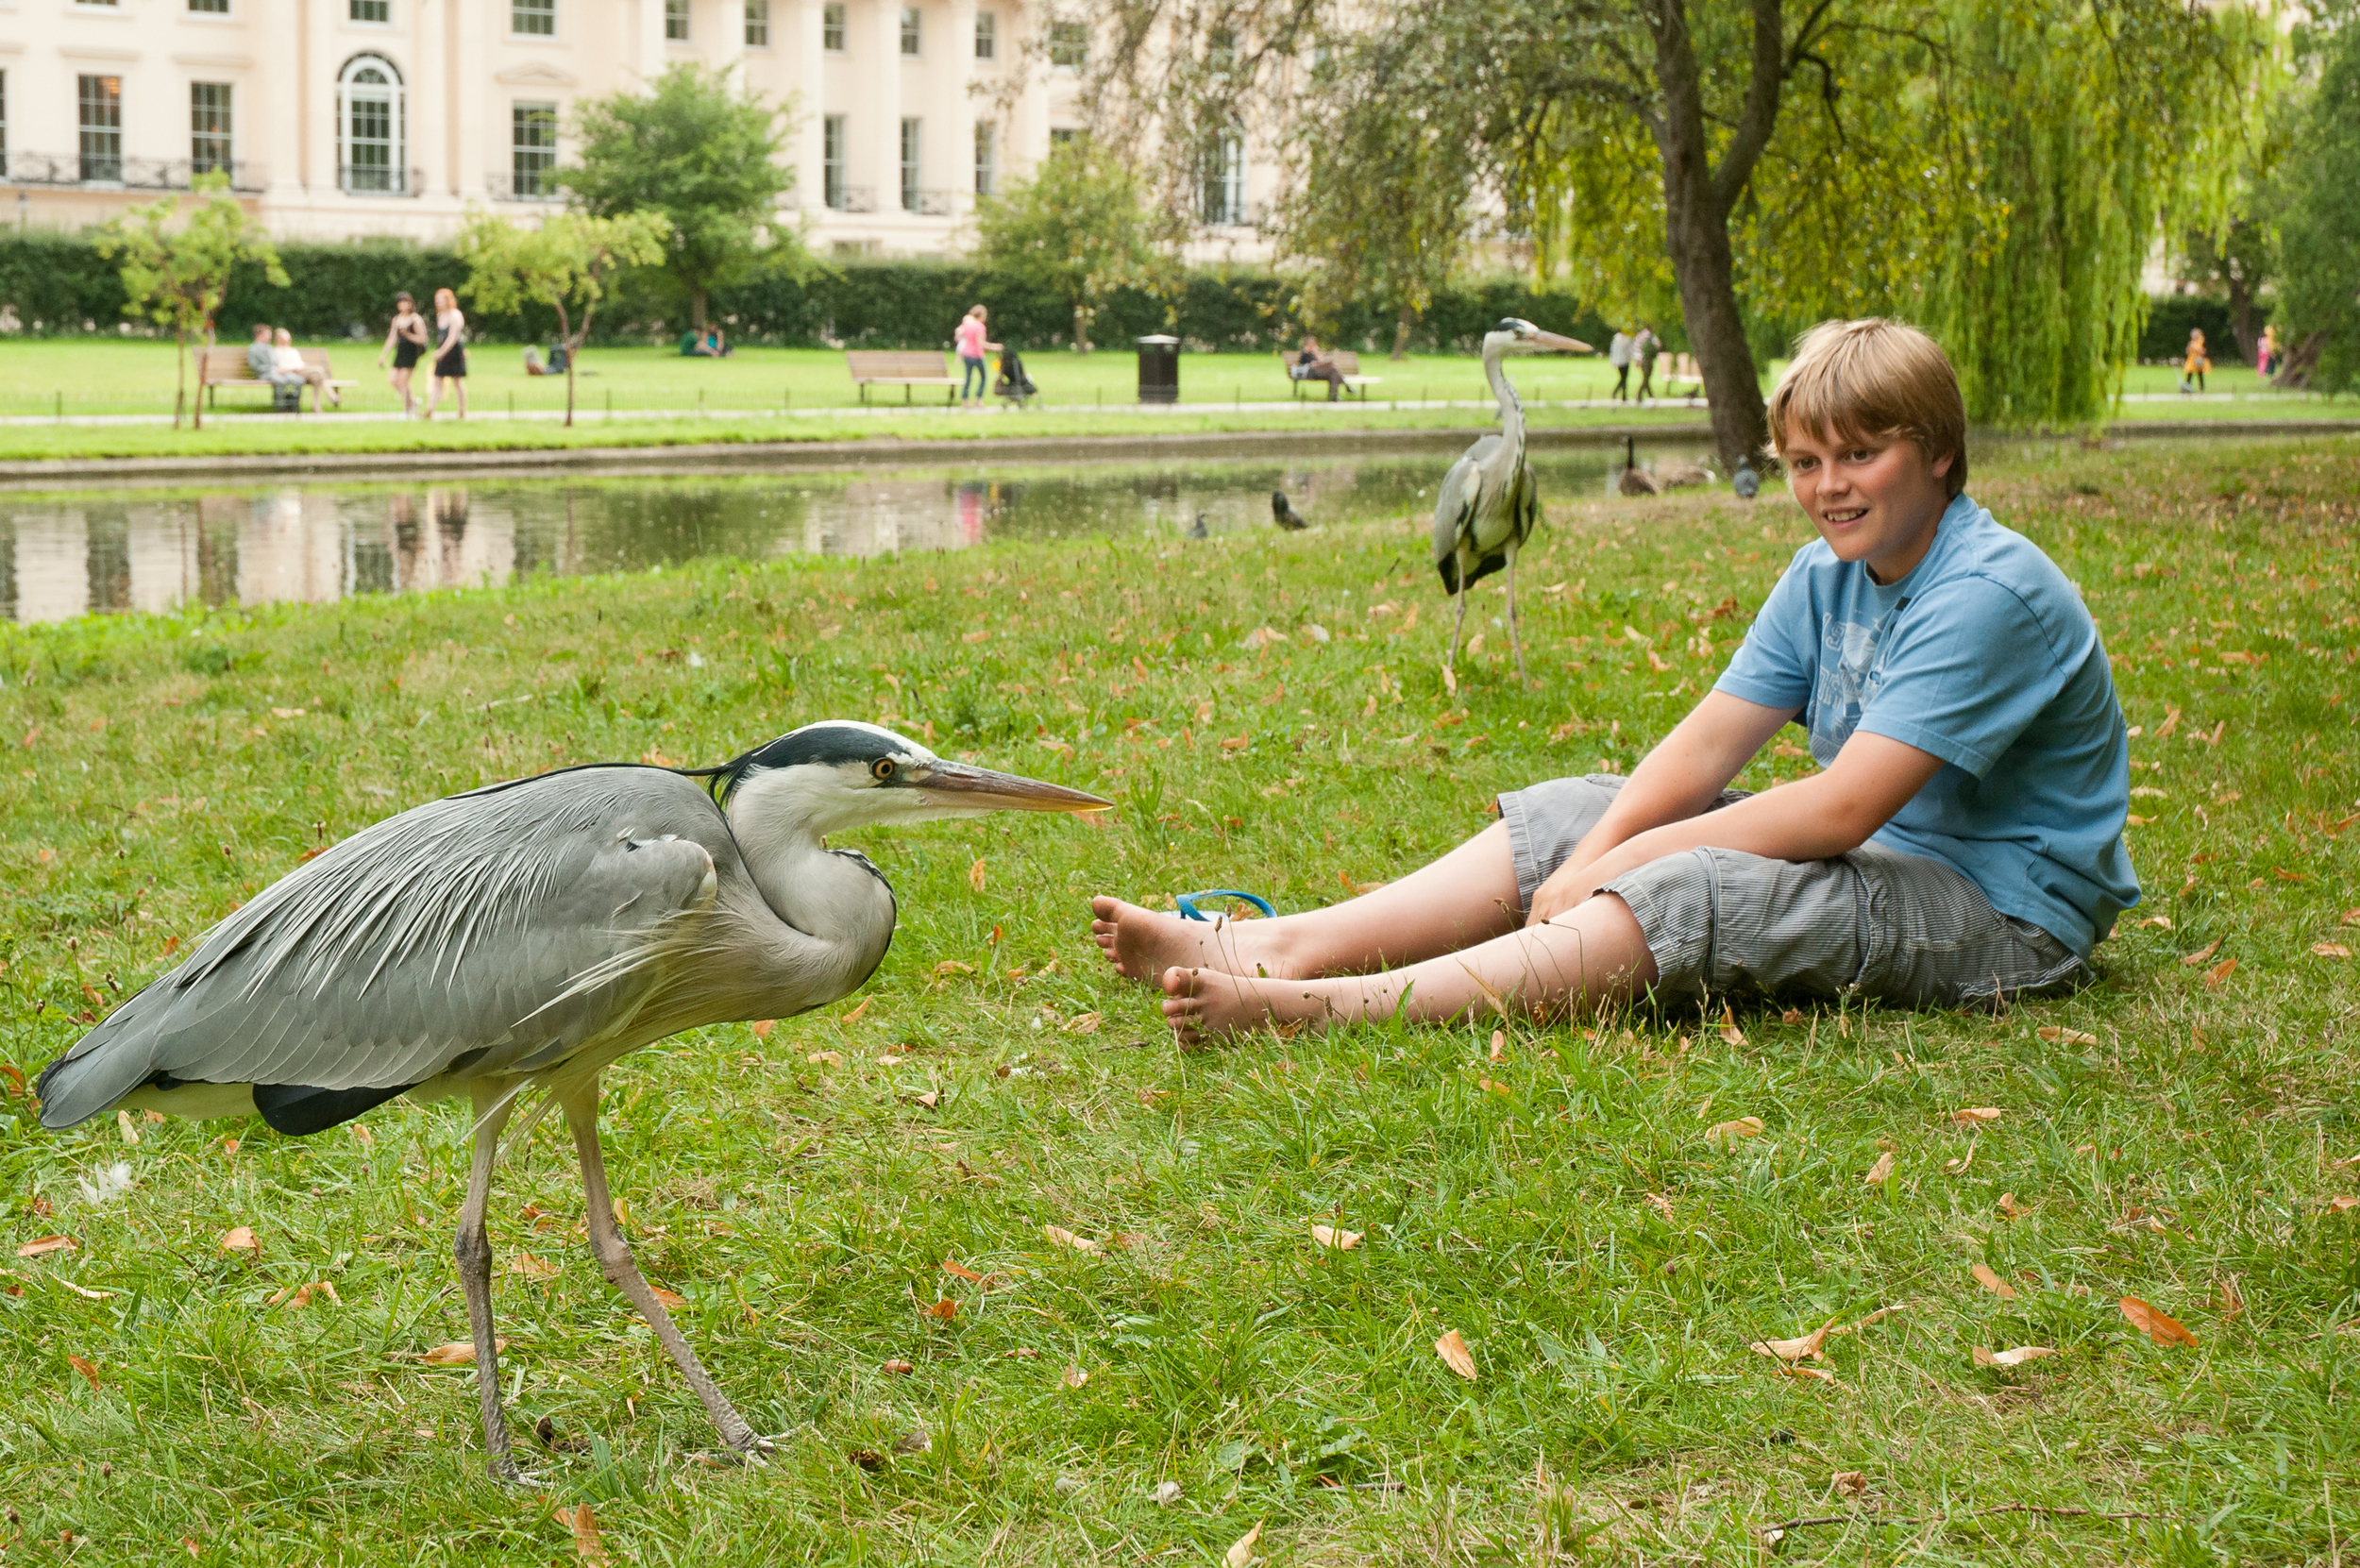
[1013,383]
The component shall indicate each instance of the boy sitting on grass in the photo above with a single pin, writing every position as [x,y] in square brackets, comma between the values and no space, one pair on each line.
[1963,845]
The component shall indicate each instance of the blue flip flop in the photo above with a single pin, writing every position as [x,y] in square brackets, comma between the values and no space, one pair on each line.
[1188,902]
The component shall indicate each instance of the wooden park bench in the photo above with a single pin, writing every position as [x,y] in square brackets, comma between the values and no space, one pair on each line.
[1676,368]
[217,368]
[904,368]
[1345,360]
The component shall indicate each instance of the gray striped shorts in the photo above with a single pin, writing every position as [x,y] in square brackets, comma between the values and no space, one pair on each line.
[1877,924]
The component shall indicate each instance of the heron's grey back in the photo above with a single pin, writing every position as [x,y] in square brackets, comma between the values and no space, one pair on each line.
[512,922]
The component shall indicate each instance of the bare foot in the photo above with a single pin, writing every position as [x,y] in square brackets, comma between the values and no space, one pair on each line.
[1203,1004]
[1143,943]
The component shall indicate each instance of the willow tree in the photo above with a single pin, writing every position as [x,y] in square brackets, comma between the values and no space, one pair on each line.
[2320,221]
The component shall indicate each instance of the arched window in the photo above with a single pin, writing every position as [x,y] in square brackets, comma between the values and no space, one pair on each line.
[372,128]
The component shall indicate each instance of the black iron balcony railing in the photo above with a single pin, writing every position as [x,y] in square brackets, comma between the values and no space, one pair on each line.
[537,185]
[851,199]
[129,174]
[932,204]
[375,179]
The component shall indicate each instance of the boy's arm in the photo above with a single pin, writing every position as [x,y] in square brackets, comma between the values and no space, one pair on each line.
[1812,820]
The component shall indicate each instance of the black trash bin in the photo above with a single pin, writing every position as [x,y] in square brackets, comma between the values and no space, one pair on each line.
[1159,370]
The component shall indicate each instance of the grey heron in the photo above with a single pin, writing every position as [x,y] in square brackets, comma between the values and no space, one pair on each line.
[1489,501]
[523,937]
[1283,513]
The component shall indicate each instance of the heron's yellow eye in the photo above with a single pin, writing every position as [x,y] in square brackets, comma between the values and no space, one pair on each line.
[883,768]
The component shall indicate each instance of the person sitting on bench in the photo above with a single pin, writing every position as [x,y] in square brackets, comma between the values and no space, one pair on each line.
[1314,365]
[281,364]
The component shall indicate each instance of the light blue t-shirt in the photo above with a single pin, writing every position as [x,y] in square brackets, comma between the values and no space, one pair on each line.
[1984,656]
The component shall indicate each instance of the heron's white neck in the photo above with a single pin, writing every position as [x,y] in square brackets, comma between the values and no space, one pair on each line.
[1511,454]
[781,820]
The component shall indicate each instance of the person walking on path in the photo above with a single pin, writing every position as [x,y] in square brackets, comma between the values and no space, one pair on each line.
[405,340]
[1618,355]
[2193,367]
[450,353]
[969,341]
[2266,354]
[1642,348]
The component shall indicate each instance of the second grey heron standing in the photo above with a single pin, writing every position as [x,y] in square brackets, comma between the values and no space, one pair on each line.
[525,937]
[1489,501]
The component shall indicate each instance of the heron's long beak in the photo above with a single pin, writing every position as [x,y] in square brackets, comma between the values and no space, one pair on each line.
[1570,346]
[982,789]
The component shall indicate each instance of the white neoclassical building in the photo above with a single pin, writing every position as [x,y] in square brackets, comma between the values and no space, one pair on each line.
[348,119]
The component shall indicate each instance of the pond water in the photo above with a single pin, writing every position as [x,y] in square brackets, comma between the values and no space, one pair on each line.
[68,554]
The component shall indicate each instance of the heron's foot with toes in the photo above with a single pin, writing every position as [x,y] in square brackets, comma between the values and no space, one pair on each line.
[1142,944]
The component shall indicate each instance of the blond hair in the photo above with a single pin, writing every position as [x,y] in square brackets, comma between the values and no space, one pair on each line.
[1873,378]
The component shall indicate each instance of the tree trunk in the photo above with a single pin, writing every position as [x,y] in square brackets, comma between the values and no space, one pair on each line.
[1082,314]
[2241,316]
[573,350]
[1401,333]
[1697,199]
[2294,367]
[180,386]
[697,310]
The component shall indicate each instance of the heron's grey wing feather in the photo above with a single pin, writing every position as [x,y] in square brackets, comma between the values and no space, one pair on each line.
[1455,502]
[507,923]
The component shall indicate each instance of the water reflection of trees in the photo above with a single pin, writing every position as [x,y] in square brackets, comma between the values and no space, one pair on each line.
[314,544]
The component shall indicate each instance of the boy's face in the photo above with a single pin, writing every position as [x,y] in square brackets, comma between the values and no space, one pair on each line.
[1873,499]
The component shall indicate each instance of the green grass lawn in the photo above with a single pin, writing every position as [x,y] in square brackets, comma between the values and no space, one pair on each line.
[2183,1133]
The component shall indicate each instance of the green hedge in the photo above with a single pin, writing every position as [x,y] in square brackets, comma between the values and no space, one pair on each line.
[2169,319]
[58,285]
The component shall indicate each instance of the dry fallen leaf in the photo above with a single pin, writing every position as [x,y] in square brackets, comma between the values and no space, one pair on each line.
[960,1270]
[1797,1350]
[1074,1377]
[673,1301]
[241,1238]
[1974,1114]
[855,1016]
[898,1368]
[2056,1036]
[1065,1238]
[458,1352]
[2016,1357]
[1952,1166]
[2330,950]
[2155,1323]
[1499,1044]
[975,876]
[1879,1172]
[2341,1202]
[1820,1374]
[1990,1281]
[1328,1235]
[88,1368]
[1453,1349]
[826,1058]
[532,1266]
[2232,1300]
[1849,1482]
[2220,972]
[2009,1207]
[946,1310]
[39,1246]
[584,1523]
[764,1027]
[1730,1031]
[2191,960]
[1745,1126]
[1240,1551]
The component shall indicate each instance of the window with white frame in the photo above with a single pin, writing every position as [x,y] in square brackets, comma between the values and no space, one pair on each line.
[1070,45]
[94,5]
[832,26]
[1221,198]
[986,36]
[832,161]
[911,22]
[372,130]
[987,157]
[371,10]
[676,21]
[533,18]
[910,133]
[208,127]
[757,23]
[532,150]
[99,100]
[211,7]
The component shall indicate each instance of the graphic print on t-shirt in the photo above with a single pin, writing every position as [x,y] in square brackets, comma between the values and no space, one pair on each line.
[1848,658]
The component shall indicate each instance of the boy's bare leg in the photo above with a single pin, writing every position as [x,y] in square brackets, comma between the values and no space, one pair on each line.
[1464,897]
[1595,952]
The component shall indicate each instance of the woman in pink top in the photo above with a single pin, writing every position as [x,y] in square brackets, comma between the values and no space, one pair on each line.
[971,346]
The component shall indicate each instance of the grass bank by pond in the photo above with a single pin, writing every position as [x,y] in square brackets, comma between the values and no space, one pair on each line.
[2182,1133]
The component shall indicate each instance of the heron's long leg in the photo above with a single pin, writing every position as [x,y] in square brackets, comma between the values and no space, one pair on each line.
[473,1250]
[1514,646]
[1459,620]
[615,1261]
